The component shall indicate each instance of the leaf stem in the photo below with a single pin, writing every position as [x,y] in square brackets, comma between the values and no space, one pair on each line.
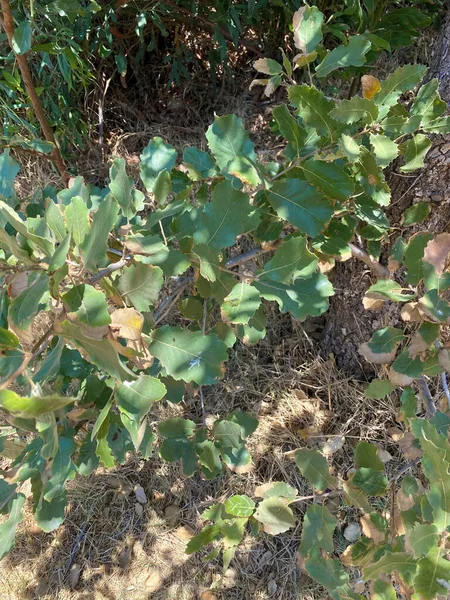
[426,396]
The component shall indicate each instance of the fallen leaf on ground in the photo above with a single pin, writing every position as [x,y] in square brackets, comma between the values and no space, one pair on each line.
[153,582]
[140,494]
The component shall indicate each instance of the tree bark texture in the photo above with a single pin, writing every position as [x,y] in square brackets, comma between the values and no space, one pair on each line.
[348,324]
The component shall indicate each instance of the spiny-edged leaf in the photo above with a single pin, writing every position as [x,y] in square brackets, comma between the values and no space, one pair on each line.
[433,570]
[384,148]
[228,215]
[137,397]
[371,178]
[318,528]
[416,213]
[301,205]
[122,189]
[189,355]
[43,243]
[330,574]
[415,151]
[352,54]
[307,25]
[140,284]
[378,389]
[386,340]
[21,39]
[9,167]
[50,515]
[76,217]
[386,289]
[289,127]
[255,330]
[156,157]
[26,305]
[207,535]
[400,81]
[200,164]
[232,148]
[422,538]
[404,364]
[275,516]
[383,590]
[87,305]
[208,260]
[291,260]
[355,109]
[427,103]
[366,455]
[314,468]
[414,253]
[9,527]
[94,246]
[314,108]
[241,304]
[32,406]
[304,297]
[371,481]
[177,428]
[328,177]
[355,496]
[101,352]
[401,562]
[239,506]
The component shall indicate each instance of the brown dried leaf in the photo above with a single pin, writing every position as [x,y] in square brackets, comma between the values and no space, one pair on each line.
[437,251]
[372,303]
[185,532]
[395,433]
[404,502]
[370,531]
[140,494]
[410,313]
[399,379]
[406,445]
[296,22]
[153,582]
[417,345]
[208,595]
[18,283]
[261,65]
[444,359]
[378,359]
[333,444]
[127,323]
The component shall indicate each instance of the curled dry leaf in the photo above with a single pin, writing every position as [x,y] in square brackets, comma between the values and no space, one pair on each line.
[381,358]
[140,494]
[370,531]
[261,65]
[352,532]
[372,303]
[333,444]
[404,502]
[384,455]
[437,251]
[74,575]
[407,447]
[153,582]
[185,532]
[410,313]
[18,283]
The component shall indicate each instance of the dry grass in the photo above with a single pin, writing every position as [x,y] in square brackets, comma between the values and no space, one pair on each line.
[299,399]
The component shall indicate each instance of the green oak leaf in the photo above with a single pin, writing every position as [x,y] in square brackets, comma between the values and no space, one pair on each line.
[122,189]
[401,562]
[432,571]
[291,260]
[26,305]
[55,220]
[87,305]
[331,574]
[8,528]
[314,108]
[351,54]
[318,528]
[21,39]
[207,535]
[241,304]
[384,148]
[415,151]
[32,406]
[427,103]
[140,284]
[157,157]
[416,213]
[200,164]
[371,481]
[386,340]
[301,205]
[422,538]
[45,244]
[228,215]
[400,81]
[304,297]
[9,167]
[289,128]
[76,217]
[189,355]
[255,330]
[208,260]
[413,256]
[233,149]
[275,516]
[239,506]
[366,455]
[404,364]
[383,590]
[379,388]
[371,178]
[314,468]
[307,26]
[353,110]
[328,177]
[94,246]
[386,289]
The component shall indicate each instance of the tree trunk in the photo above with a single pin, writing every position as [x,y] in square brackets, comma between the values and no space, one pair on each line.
[348,324]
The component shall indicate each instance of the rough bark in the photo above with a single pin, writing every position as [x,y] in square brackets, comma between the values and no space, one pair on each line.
[348,324]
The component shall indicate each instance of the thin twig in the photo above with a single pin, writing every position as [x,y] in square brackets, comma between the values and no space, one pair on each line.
[402,470]
[246,256]
[427,397]
[318,496]
[165,306]
[445,386]
[377,269]
[108,270]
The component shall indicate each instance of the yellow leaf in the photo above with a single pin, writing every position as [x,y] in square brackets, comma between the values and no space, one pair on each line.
[370,86]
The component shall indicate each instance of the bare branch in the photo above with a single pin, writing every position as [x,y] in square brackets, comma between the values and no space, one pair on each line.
[426,396]
[108,270]
[377,269]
